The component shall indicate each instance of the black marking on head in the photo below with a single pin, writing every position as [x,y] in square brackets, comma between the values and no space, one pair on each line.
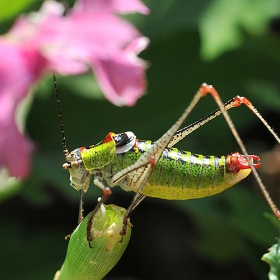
[122,139]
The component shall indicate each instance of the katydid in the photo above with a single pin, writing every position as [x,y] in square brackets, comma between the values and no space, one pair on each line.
[156,169]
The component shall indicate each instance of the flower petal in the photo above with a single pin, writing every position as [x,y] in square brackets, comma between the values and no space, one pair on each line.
[90,35]
[121,76]
[19,68]
[108,6]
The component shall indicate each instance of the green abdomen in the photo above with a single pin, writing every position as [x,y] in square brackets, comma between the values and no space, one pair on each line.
[181,175]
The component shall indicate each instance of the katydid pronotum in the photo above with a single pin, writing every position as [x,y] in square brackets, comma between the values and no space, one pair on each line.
[156,169]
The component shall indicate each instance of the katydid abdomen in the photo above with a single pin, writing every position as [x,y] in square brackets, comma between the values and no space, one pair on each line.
[181,175]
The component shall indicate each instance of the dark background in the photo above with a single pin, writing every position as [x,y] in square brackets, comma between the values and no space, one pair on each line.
[220,237]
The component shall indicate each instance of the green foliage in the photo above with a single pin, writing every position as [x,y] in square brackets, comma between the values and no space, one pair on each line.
[9,185]
[229,231]
[231,19]
[273,259]
[10,9]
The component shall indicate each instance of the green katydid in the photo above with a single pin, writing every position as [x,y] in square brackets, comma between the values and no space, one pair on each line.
[156,169]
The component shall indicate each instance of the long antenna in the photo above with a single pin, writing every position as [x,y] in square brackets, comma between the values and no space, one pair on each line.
[65,150]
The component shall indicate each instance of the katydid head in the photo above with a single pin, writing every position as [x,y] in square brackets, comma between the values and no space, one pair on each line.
[84,161]
[79,176]
[81,161]
[100,155]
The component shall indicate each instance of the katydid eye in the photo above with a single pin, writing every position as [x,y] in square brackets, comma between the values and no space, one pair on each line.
[121,139]
[124,141]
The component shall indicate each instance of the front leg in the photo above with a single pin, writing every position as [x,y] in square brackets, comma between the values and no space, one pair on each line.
[106,193]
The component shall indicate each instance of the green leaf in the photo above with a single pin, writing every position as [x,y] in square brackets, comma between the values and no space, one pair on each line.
[84,86]
[10,9]
[273,259]
[261,90]
[8,185]
[83,262]
[222,24]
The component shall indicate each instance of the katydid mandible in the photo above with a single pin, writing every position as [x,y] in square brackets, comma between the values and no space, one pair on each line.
[156,169]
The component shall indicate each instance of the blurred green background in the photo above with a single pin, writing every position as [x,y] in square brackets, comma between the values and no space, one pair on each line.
[234,45]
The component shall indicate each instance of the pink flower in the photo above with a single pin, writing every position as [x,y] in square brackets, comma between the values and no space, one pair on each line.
[19,68]
[91,35]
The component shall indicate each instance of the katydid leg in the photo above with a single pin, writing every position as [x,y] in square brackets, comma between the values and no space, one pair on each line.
[223,108]
[151,157]
[173,135]
[81,210]
[205,89]
[232,103]
[106,193]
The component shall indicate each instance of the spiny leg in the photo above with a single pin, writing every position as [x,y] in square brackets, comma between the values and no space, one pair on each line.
[173,135]
[81,210]
[138,198]
[106,193]
[152,156]
[232,103]
[156,150]
[130,209]
[187,130]
[138,201]
[149,159]
[205,89]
